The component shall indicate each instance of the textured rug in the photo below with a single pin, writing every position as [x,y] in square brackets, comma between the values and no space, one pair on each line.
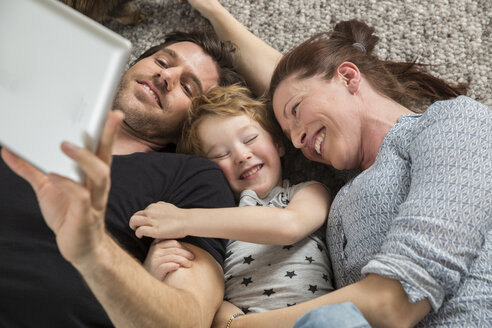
[452,36]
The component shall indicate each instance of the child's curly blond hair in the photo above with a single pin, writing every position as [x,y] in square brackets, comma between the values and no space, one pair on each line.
[227,101]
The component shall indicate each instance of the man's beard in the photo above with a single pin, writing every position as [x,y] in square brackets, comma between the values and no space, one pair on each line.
[144,124]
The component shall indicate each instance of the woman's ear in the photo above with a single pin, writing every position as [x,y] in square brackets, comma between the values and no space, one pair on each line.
[350,74]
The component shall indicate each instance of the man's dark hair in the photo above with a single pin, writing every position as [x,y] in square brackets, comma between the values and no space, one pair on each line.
[221,52]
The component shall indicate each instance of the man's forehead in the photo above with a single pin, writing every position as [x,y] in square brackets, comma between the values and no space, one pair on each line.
[193,56]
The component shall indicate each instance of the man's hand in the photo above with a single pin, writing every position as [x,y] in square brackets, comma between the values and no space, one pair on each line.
[160,220]
[74,212]
[165,256]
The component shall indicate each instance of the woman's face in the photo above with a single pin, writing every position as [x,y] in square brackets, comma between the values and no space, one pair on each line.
[321,118]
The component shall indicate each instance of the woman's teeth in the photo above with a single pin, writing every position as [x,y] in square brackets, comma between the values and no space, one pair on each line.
[319,140]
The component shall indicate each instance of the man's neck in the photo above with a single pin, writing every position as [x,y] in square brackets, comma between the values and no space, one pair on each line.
[127,143]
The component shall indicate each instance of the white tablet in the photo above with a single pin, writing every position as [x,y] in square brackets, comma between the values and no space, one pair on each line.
[59,71]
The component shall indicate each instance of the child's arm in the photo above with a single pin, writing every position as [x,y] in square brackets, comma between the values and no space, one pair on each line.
[305,213]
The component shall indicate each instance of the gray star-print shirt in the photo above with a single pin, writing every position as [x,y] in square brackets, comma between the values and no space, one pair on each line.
[266,277]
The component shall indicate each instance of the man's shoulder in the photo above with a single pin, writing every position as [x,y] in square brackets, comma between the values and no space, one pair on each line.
[169,160]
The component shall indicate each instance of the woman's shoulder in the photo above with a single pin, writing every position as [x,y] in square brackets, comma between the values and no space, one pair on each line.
[461,105]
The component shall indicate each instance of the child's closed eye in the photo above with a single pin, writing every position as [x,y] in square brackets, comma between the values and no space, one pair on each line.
[220,156]
[250,139]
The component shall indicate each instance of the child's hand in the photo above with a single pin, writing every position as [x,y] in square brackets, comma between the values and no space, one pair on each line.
[165,256]
[224,313]
[160,221]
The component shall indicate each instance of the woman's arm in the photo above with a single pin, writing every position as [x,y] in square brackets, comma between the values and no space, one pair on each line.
[255,59]
[382,301]
[305,213]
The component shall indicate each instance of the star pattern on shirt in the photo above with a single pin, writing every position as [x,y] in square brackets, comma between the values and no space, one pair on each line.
[290,274]
[309,259]
[320,247]
[247,281]
[245,310]
[268,292]
[248,259]
[325,277]
[313,288]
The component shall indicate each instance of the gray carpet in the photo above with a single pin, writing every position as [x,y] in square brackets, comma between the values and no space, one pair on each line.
[452,36]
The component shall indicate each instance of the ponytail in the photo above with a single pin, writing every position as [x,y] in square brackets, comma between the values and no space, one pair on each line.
[353,41]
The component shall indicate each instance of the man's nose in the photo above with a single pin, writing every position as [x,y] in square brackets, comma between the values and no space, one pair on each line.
[170,77]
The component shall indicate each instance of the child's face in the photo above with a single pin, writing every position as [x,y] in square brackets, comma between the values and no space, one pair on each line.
[244,151]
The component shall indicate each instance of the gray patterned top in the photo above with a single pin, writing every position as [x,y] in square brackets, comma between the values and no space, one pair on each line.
[422,214]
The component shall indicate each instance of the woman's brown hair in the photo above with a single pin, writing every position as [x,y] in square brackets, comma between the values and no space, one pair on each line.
[353,41]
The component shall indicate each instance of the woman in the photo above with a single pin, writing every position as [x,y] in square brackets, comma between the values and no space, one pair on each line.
[419,213]
[410,237]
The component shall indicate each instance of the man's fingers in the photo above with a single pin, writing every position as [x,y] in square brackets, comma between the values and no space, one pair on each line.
[25,170]
[97,173]
[105,149]
[73,190]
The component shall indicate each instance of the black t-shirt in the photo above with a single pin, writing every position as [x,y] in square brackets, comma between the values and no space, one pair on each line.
[38,288]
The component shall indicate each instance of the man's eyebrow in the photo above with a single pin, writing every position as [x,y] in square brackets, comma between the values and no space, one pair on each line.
[174,55]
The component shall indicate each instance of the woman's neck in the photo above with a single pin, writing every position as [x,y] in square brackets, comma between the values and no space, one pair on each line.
[381,114]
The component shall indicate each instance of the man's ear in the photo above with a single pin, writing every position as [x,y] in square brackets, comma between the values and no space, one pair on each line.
[350,74]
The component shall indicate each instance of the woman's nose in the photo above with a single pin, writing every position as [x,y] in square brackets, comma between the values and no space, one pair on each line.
[299,138]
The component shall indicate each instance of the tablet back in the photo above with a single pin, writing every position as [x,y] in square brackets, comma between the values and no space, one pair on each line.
[59,72]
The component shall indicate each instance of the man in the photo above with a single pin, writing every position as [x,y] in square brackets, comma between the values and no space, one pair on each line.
[84,270]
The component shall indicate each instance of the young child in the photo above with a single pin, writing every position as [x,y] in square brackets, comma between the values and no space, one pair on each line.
[275,256]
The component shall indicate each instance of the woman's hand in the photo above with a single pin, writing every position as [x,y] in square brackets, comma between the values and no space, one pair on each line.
[160,220]
[165,256]
[207,8]
[224,313]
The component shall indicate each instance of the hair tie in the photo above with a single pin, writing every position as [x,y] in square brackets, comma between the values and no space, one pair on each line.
[359,46]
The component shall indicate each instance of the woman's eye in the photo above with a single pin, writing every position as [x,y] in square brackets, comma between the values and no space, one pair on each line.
[250,139]
[294,109]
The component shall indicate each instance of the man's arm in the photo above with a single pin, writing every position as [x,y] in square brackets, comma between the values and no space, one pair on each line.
[130,295]
[255,60]
[188,297]
[306,212]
